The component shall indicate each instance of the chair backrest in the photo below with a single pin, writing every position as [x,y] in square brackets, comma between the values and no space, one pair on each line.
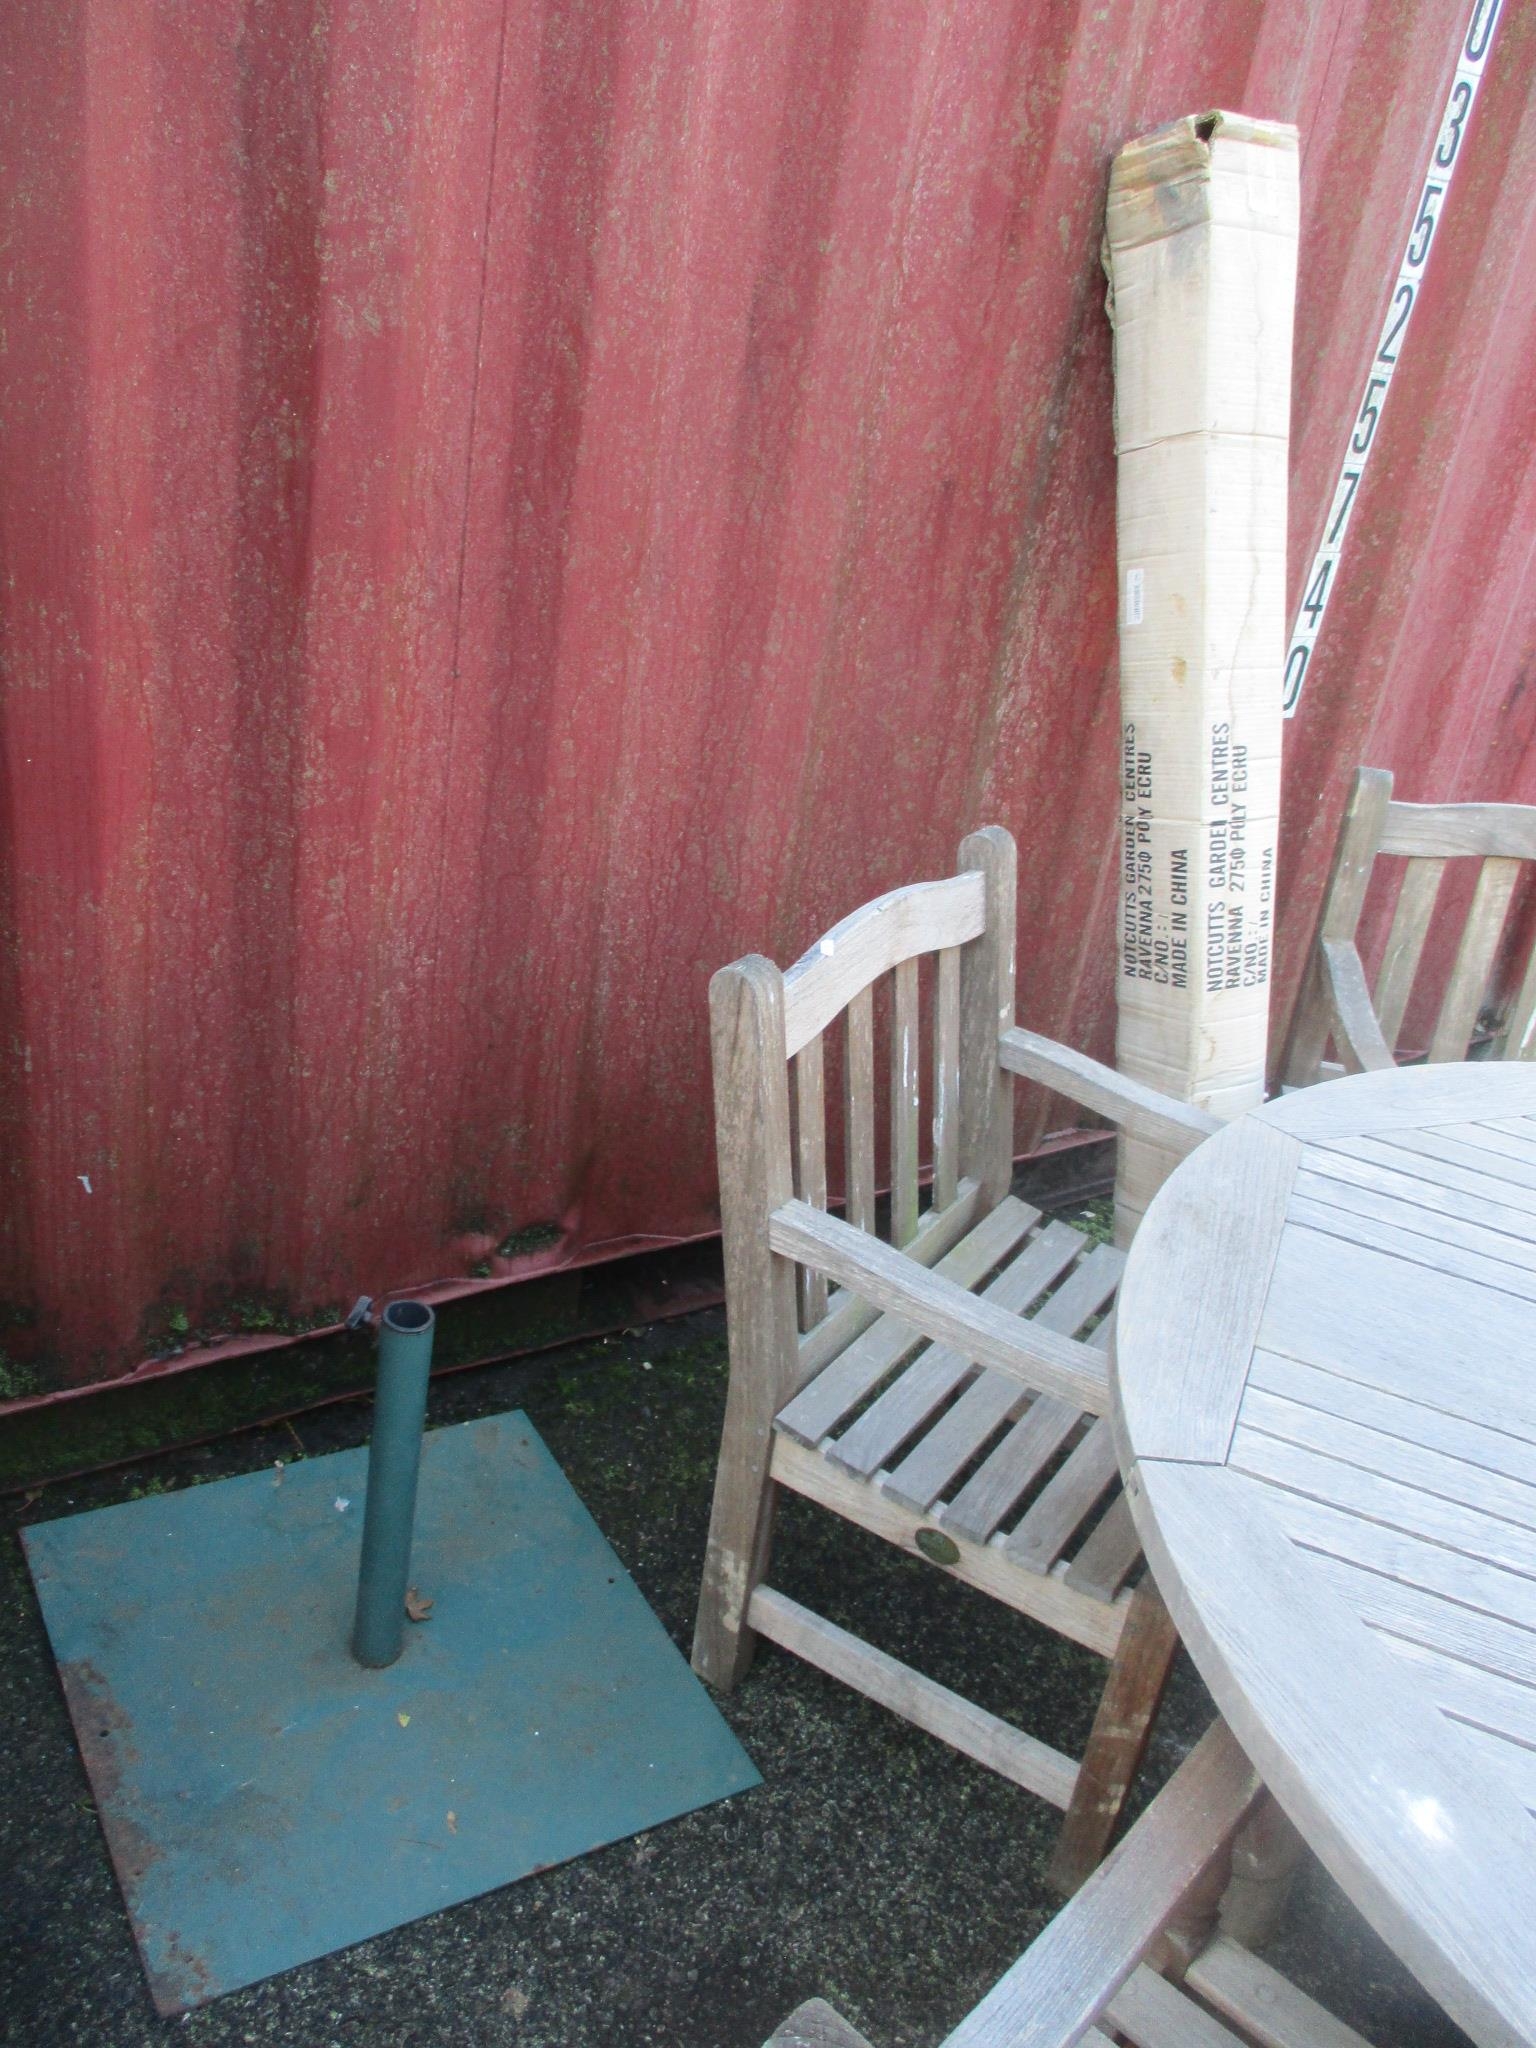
[770,1034]
[1424,838]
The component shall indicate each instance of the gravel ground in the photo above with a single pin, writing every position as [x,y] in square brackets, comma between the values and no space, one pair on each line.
[873,1866]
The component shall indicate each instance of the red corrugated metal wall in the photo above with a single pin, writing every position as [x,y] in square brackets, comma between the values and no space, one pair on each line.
[506,505]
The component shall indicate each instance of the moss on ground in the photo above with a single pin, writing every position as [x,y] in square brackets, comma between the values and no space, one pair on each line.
[1096,1219]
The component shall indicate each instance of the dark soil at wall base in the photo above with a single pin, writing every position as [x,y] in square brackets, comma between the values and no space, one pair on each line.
[873,1866]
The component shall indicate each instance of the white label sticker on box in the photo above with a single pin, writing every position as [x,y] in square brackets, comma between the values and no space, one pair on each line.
[1133,597]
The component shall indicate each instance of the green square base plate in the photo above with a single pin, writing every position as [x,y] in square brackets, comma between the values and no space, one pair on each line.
[265,1799]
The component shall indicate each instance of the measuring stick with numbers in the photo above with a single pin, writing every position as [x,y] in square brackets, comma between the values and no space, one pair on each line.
[1323,575]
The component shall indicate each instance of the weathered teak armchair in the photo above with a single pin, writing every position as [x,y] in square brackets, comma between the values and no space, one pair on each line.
[942,1394]
[1138,1956]
[1364,1025]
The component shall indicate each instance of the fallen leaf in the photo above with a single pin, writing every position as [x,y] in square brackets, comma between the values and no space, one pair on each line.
[404,1720]
[418,1606]
[453,1822]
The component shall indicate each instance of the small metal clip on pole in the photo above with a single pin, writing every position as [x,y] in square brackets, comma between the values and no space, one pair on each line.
[394,1457]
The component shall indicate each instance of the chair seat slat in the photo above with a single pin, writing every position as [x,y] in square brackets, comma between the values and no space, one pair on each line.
[1003,1478]
[1109,1554]
[1152,2013]
[963,1430]
[932,1377]
[1036,1358]
[1010,1472]
[856,1372]
[1065,1502]
[849,1315]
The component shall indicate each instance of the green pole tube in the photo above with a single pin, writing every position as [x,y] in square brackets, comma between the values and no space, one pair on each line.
[389,1513]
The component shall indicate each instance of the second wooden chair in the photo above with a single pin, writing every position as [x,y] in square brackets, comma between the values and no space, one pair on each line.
[1363,1025]
[1140,1956]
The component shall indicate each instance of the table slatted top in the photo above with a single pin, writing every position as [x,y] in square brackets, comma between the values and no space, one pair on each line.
[1325,1367]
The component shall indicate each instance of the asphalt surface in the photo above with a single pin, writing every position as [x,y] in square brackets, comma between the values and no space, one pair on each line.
[874,1866]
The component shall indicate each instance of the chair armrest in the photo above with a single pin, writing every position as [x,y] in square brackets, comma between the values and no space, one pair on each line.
[1352,1018]
[1143,1112]
[1069,1976]
[942,1311]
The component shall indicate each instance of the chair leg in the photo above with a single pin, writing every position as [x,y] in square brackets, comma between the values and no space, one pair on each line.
[1129,1702]
[1265,1857]
[740,1534]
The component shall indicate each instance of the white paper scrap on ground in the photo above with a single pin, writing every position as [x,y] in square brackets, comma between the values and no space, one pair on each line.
[1201,253]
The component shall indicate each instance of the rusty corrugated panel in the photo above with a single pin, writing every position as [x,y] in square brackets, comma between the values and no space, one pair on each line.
[505,507]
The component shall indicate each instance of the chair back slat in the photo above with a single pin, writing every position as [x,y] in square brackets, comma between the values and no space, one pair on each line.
[859,1108]
[1475,957]
[904,1104]
[946,1078]
[986,1010]
[811,1164]
[1519,1038]
[1405,943]
[877,938]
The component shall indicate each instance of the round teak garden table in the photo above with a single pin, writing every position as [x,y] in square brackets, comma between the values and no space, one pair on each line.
[1325,1405]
